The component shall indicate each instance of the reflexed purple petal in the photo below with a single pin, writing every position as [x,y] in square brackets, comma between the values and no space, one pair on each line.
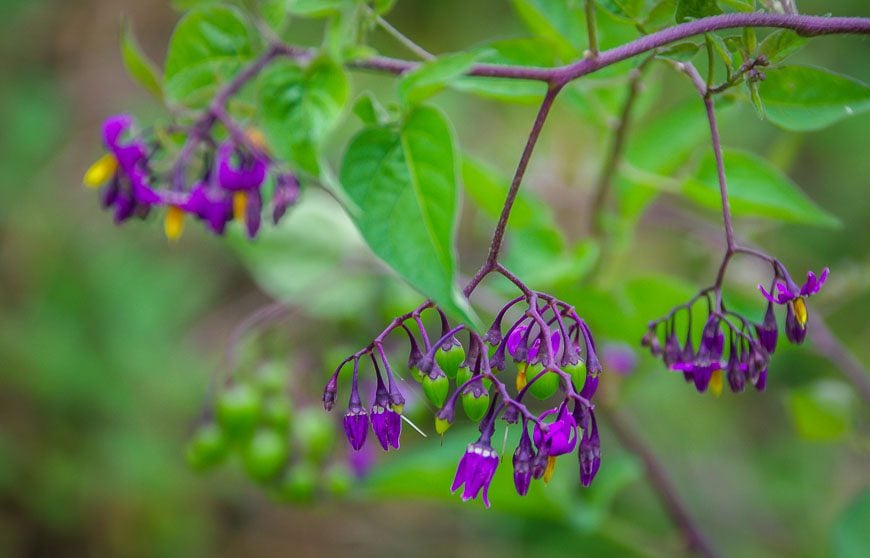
[250,173]
[515,338]
[114,127]
[555,344]
[253,210]
[812,284]
[561,434]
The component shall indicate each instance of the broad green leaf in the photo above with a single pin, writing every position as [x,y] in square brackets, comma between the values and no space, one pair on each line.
[432,76]
[628,9]
[403,180]
[661,15]
[801,98]
[681,52]
[300,106]
[822,411]
[207,48]
[140,68]
[515,52]
[695,9]
[369,110]
[314,258]
[755,189]
[781,44]
[851,537]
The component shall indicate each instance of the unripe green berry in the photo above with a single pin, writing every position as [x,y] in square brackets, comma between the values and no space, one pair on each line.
[238,410]
[207,447]
[265,454]
[578,375]
[436,389]
[545,386]
[475,407]
[450,360]
[276,414]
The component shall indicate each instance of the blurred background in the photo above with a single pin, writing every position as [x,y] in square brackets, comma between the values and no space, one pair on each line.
[111,340]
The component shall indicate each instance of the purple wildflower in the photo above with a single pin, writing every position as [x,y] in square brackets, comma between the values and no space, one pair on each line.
[475,471]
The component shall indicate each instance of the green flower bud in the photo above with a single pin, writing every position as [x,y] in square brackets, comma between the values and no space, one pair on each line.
[265,454]
[475,407]
[436,389]
[238,410]
[450,359]
[207,447]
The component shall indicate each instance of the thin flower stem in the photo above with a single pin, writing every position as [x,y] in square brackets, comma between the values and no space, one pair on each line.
[421,52]
[658,476]
[498,234]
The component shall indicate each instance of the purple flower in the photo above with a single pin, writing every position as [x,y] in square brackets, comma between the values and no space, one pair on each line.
[516,344]
[239,171]
[523,463]
[796,321]
[356,426]
[475,471]
[767,331]
[561,435]
[619,358]
[215,210]
[589,453]
[387,425]
[286,194]
[789,291]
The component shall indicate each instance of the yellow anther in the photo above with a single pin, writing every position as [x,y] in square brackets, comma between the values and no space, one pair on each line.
[800,311]
[101,171]
[173,223]
[521,375]
[717,382]
[551,466]
[240,206]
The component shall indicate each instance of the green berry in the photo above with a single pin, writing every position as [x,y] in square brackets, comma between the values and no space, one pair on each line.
[338,480]
[298,484]
[475,407]
[238,410]
[436,389]
[578,375]
[314,430]
[545,386]
[463,375]
[276,414]
[265,454]
[207,447]
[272,378]
[450,360]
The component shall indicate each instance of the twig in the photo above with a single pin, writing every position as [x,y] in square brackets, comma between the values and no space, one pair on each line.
[402,38]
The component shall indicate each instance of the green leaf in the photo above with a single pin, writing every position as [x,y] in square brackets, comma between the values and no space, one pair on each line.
[781,44]
[681,52]
[722,50]
[555,20]
[851,537]
[661,15]
[488,188]
[755,189]
[514,52]
[696,9]
[822,411]
[628,9]
[140,68]
[300,106]
[316,8]
[801,98]
[740,5]
[207,48]
[432,76]
[369,110]
[403,180]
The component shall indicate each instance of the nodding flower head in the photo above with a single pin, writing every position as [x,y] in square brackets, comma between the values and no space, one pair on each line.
[356,426]
[523,457]
[386,422]
[238,170]
[560,436]
[475,471]
[787,293]
[767,330]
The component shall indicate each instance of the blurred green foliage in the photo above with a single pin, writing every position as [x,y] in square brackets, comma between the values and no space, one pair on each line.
[109,339]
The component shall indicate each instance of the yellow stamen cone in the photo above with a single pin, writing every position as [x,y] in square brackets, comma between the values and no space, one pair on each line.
[717,382]
[240,206]
[548,472]
[800,311]
[173,223]
[101,171]
[521,375]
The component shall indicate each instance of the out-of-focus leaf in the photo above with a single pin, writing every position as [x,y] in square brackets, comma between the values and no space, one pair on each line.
[208,46]
[851,537]
[695,9]
[316,8]
[681,52]
[755,189]
[781,44]
[300,106]
[432,76]
[739,5]
[661,15]
[801,98]
[314,258]
[369,110]
[488,188]
[628,9]
[140,68]
[515,52]
[822,411]
[403,180]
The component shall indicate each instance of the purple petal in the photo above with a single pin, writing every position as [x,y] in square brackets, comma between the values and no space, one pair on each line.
[250,173]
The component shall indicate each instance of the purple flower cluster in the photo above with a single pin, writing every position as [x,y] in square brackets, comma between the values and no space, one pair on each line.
[555,358]
[731,346]
[232,179]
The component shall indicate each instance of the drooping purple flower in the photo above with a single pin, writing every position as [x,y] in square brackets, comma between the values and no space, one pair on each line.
[286,194]
[589,453]
[239,171]
[619,358]
[216,210]
[128,154]
[475,471]
[387,426]
[522,461]
[561,435]
[356,426]
[795,321]
[767,330]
